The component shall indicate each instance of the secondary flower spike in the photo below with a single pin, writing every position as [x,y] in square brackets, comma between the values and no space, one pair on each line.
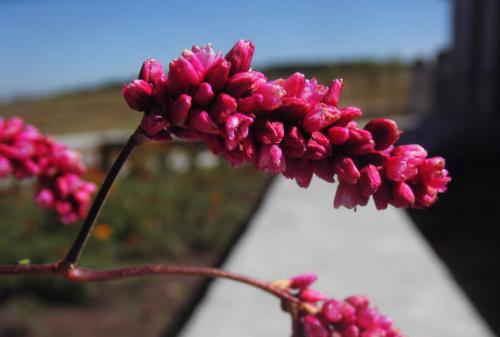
[292,126]
[26,153]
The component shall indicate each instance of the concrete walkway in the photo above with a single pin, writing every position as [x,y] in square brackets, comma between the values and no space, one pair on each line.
[378,254]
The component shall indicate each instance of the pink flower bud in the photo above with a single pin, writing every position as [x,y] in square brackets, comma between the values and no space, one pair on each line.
[312,296]
[271,158]
[347,170]
[332,311]
[137,95]
[318,146]
[151,71]
[300,170]
[5,167]
[403,195]
[190,68]
[313,92]
[204,94]
[410,151]
[303,281]
[236,129]
[153,124]
[367,317]
[45,198]
[374,332]
[348,195]
[351,331]
[241,83]
[294,143]
[160,92]
[177,80]
[401,168]
[223,107]
[384,131]
[293,109]
[359,142]
[294,85]
[272,95]
[201,121]
[217,75]
[338,135]
[240,56]
[333,95]
[369,180]
[178,112]
[433,173]
[348,114]
[382,197]
[313,327]
[269,132]
[250,104]
[320,117]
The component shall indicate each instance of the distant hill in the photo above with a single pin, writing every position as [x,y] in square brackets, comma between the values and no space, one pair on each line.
[378,88]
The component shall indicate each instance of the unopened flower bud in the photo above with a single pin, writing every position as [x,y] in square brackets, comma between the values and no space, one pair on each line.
[223,107]
[303,281]
[272,95]
[333,95]
[318,146]
[332,311]
[384,131]
[250,104]
[151,71]
[320,117]
[409,151]
[240,56]
[217,75]
[204,94]
[269,132]
[294,143]
[236,129]
[313,327]
[369,180]
[137,95]
[338,135]
[401,168]
[293,109]
[201,121]
[403,195]
[179,111]
[347,170]
[294,85]
[240,83]
[312,296]
[348,114]
[153,124]
[271,158]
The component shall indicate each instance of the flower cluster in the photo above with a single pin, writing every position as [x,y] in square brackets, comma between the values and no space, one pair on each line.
[292,126]
[26,153]
[320,316]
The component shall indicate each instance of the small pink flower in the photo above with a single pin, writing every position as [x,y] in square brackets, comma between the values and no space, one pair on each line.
[303,281]
[313,327]
[180,109]
[385,132]
[272,95]
[320,117]
[236,129]
[204,94]
[223,107]
[240,56]
[333,95]
[138,95]
[200,120]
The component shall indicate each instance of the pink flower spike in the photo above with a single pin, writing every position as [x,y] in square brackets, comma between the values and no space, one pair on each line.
[178,112]
[384,131]
[137,95]
[204,94]
[313,327]
[333,95]
[240,56]
[303,281]
[312,296]
[223,107]
[320,117]
[201,121]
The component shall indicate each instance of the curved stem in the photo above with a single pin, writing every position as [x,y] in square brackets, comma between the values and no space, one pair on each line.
[78,274]
[76,249]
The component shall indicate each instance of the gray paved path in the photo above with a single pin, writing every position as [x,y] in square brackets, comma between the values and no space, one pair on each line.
[378,254]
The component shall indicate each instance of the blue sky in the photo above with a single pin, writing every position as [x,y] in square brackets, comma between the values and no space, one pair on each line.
[51,45]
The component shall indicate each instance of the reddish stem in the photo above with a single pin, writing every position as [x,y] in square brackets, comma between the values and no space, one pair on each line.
[78,274]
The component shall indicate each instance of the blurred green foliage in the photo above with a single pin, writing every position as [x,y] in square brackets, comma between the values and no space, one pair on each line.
[166,204]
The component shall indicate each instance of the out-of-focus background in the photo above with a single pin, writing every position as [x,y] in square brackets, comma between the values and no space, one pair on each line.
[432,65]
